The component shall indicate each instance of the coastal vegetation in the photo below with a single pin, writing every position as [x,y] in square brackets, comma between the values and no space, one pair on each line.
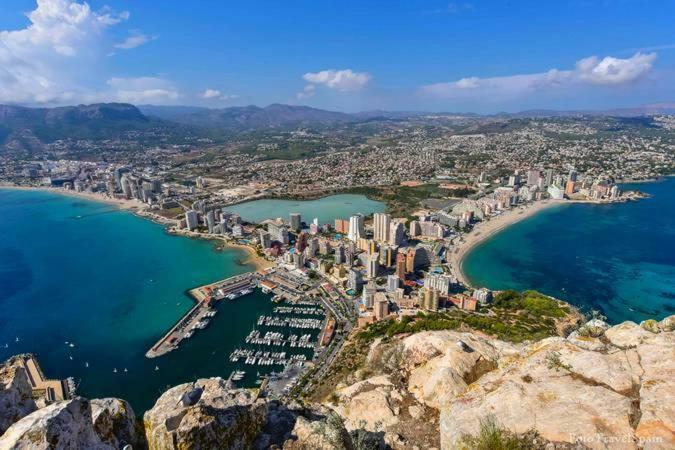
[401,200]
[514,317]
[493,437]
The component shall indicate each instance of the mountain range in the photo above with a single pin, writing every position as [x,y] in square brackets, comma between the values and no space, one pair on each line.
[28,127]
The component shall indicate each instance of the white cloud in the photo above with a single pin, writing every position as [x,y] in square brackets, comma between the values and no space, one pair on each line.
[141,90]
[610,70]
[45,61]
[135,39]
[587,72]
[468,83]
[215,94]
[211,93]
[307,92]
[341,80]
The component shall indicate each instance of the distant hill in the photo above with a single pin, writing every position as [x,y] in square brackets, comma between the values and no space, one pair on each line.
[97,121]
[240,118]
[31,128]
[636,111]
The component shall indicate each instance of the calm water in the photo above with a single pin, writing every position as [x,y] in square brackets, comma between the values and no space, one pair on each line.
[113,284]
[619,258]
[327,209]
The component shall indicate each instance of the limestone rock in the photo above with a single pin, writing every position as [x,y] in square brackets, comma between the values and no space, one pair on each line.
[204,414]
[657,393]
[586,342]
[667,324]
[567,393]
[62,425]
[627,335]
[327,433]
[114,422]
[16,400]
[650,325]
[440,367]
[368,404]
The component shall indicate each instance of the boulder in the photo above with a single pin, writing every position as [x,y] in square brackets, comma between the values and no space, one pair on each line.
[62,425]
[114,422]
[16,393]
[667,324]
[627,334]
[370,404]
[326,433]
[204,414]
[442,364]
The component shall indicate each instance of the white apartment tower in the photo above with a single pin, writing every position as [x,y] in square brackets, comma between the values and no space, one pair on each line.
[381,227]
[356,229]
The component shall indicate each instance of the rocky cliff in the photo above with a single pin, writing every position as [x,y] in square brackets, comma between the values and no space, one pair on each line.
[16,394]
[601,387]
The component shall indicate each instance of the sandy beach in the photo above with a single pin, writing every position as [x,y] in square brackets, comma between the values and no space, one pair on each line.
[138,208]
[125,204]
[488,228]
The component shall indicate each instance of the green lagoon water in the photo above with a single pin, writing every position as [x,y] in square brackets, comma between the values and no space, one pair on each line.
[112,284]
[326,209]
[617,258]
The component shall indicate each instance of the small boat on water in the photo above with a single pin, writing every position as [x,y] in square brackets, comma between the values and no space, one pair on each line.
[115,370]
[156,368]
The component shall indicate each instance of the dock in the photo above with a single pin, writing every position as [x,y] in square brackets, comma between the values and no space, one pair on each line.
[199,315]
[50,390]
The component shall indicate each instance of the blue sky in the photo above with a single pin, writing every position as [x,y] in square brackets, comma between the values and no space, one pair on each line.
[480,56]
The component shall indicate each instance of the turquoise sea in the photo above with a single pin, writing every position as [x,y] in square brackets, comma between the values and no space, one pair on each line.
[111,283]
[326,209]
[618,258]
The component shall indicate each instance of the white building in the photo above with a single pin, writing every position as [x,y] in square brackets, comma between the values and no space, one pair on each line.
[373,266]
[381,227]
[356,228]
[392,283]
[191,219]
[396,233]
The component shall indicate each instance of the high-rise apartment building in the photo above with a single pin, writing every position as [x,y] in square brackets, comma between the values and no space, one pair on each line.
[191,219]
[295,221]
[381,227]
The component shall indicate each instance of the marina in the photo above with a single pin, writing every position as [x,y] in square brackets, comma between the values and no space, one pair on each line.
[290,322]
[277,339]
[283,340]
[298,310]
[198,317]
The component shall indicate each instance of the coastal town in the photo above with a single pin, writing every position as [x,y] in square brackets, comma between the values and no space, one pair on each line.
[331,277]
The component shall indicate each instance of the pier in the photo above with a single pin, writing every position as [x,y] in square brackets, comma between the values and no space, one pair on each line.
[199,315]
